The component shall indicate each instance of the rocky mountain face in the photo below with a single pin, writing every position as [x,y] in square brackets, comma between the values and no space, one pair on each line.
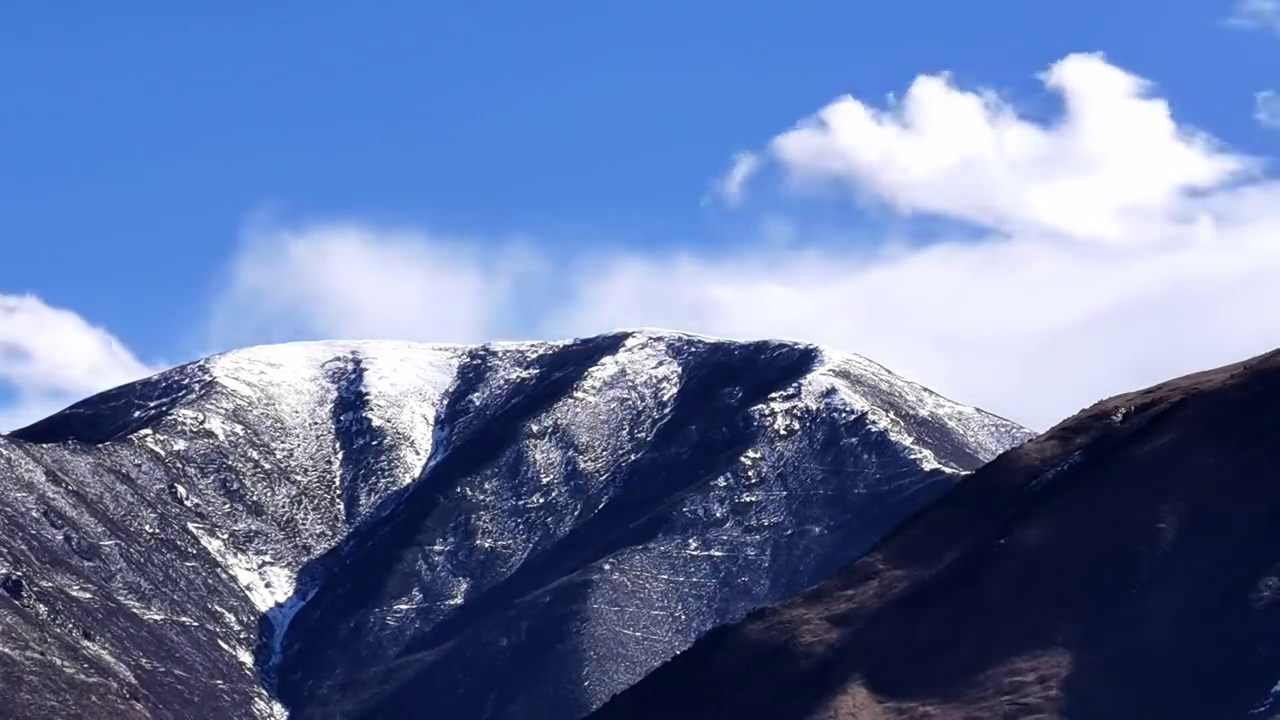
[372,530]
[1124,565]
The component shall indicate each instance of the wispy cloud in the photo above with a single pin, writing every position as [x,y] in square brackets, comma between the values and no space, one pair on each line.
[50,357]
[1266,109]
[1263,14]
[732,186]
[343,280]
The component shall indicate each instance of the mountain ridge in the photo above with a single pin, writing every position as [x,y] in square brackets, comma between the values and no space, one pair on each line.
[277,469]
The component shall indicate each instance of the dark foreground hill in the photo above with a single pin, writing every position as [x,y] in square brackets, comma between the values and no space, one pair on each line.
[1124,565]
[387,530]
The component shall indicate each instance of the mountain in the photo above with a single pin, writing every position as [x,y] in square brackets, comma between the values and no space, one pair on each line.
[1126,564]
[366,530]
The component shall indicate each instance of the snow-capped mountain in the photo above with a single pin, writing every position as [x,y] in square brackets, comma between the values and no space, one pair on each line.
[376,529]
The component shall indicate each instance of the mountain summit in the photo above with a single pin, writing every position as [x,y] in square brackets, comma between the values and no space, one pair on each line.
[362,530]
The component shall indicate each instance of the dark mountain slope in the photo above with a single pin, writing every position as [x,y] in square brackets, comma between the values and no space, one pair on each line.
[1126,564]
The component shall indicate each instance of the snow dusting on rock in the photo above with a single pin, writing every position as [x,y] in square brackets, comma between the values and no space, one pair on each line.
[355,525]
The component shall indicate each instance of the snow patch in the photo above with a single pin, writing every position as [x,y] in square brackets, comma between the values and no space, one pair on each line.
[153,615]
[265,584]
[241,654]
[1269,703]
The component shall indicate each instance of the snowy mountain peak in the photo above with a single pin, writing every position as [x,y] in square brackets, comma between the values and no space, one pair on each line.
[397,380]
[356,510]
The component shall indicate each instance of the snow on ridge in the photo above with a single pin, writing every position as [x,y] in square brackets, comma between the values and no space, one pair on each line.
[990,433]
[921,398]
[822,386]
[404,392]
[639,353]
[403,383]
[403,378]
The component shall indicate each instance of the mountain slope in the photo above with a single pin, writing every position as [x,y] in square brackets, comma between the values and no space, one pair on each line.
[504,531]
[1125,564]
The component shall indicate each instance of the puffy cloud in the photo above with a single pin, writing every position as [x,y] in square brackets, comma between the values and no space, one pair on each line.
[1263,14]
[1266,109]
[1114,161]
[51,357]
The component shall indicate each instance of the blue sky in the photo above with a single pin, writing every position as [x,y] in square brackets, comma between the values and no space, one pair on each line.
[162,165]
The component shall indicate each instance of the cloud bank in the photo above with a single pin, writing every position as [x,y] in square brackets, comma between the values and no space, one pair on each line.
[1114,248]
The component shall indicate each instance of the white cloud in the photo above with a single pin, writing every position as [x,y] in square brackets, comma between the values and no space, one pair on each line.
[1266,109]
[51,357]
[1263,14]
[1032,328]
[732,187]
[1114,161]
[350,280]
